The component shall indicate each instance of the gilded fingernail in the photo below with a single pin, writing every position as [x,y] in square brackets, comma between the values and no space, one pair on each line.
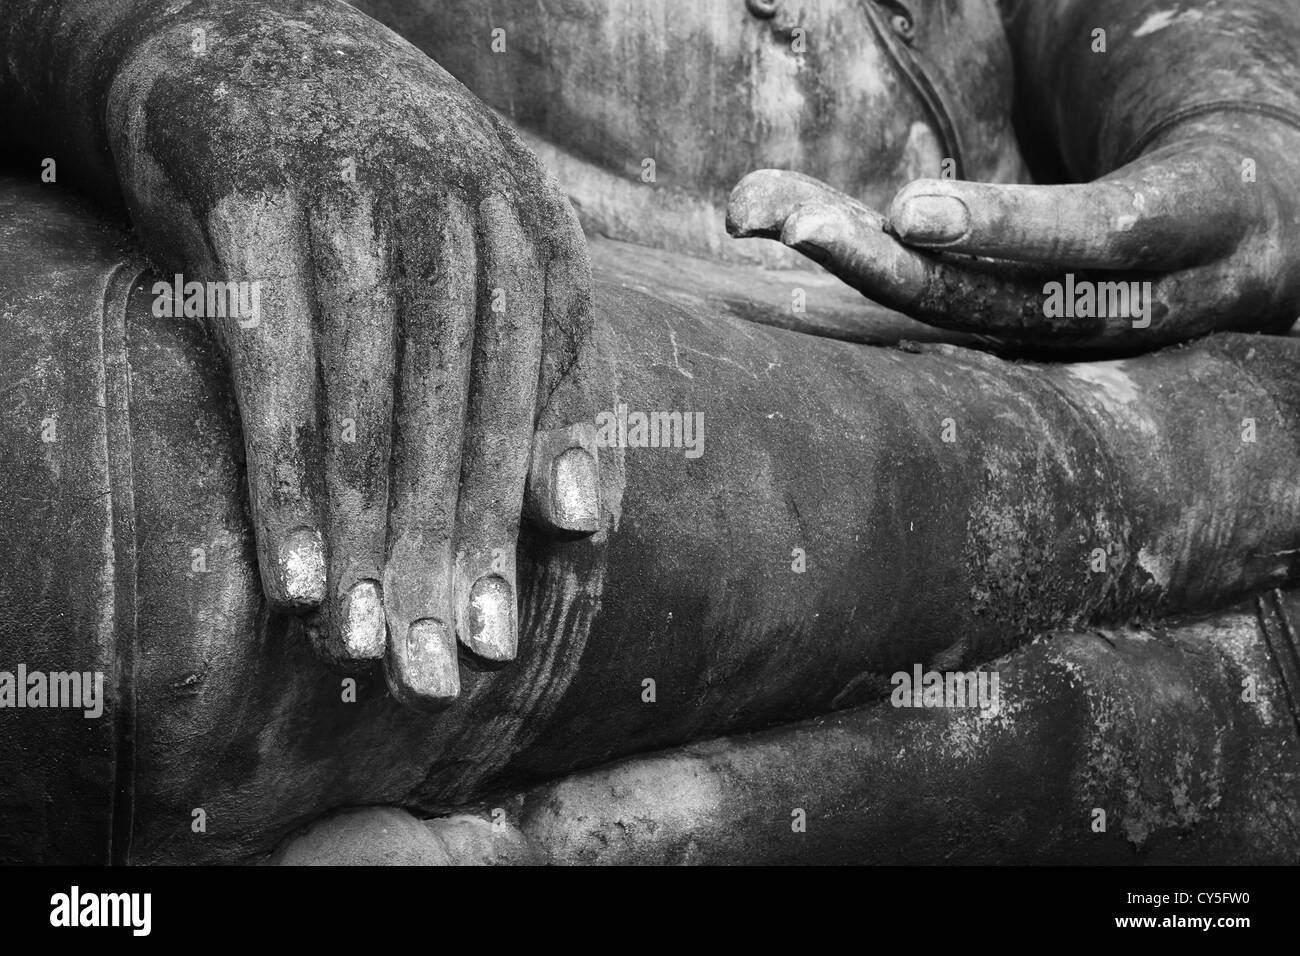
[575,492]
[492,619]
[563,492]
[932,219]
[301,568]
[431,670]
[363,622]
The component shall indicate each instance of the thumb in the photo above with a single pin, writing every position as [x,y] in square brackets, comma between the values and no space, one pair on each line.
[1161,212]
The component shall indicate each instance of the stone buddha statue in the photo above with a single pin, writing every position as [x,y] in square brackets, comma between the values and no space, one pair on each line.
[425,529]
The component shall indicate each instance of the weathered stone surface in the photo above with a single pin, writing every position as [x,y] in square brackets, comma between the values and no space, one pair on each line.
[1116,746]
[918,550]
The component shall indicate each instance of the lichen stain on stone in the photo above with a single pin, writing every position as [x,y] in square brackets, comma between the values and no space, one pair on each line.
[1160,773]
[1012,564]
[626,807]
[1166,18]
[1159,567]
[1238,639]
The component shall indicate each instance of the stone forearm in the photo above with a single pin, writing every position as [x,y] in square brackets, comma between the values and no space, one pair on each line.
[1160,65]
